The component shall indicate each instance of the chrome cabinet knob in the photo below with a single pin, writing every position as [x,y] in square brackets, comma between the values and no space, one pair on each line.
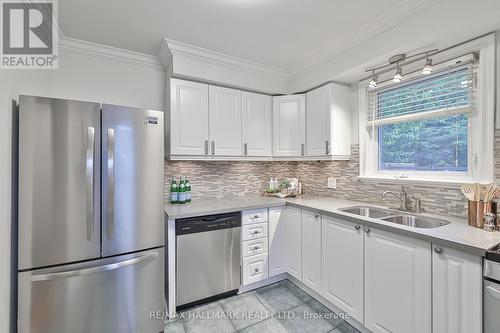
[256,216]
[255,232]
[256,270]
[438,250]
[367,230]
[357,227]
[316,216]
[256,248]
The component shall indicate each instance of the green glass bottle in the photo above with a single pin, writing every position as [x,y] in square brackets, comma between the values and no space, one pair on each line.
[182,191]
[188,190]
[174,191]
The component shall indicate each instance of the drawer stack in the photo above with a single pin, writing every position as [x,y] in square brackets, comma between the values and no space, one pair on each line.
[254,245]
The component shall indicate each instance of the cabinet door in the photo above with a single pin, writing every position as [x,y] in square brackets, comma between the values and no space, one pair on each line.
[397,283]
[457,289]
[277,242]
[311,249]
[289,125]
[293,234]
[318,120]
[342,265]
[256,124]
[225,121]
[188,118]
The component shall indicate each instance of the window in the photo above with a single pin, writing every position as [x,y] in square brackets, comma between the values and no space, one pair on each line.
[433,128]
[423,125]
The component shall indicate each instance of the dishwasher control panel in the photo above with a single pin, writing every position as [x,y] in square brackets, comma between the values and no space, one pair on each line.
[208,223]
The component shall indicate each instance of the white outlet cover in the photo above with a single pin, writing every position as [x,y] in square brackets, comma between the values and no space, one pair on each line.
[332,182]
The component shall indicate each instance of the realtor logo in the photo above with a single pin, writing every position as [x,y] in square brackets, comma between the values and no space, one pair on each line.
[29,34]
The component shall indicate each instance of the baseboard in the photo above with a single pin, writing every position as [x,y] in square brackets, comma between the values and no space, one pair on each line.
[359,326]
[263,283]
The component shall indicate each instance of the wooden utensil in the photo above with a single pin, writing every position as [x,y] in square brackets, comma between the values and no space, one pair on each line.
[469,191]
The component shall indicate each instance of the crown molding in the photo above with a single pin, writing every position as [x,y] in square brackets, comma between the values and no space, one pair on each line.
[400,13]
[205,55]
[77,46]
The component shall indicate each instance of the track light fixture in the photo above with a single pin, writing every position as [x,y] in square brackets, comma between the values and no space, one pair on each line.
[428,65]
[397,62]
[373,82]
[399,74]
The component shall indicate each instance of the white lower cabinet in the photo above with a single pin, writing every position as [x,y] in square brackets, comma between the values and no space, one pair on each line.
[342,265]
[277,242]
[311,249]
[254,246]
[293,237]
[457,289]
[255,269]
[397,283]
[285,238]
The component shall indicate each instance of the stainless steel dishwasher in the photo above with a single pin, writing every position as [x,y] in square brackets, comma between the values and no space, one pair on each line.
[208,258]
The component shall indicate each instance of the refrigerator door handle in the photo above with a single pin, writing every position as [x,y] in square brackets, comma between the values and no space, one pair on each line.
[90,182]
[111,182]
[96,269]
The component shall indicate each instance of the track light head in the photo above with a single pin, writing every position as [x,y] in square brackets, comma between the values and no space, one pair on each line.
[428,66]
[373,82]
[399,75]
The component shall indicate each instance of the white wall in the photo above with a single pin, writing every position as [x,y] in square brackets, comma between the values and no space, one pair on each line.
[81,75]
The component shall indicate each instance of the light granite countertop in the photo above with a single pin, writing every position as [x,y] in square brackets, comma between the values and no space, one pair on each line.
[200,207]
[458,234]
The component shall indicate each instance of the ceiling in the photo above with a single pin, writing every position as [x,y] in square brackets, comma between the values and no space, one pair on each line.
[291,35]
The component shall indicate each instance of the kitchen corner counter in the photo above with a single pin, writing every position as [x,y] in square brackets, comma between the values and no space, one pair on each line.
[458,234]
[200,207]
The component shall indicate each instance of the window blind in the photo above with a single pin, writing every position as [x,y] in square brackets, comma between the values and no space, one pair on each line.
[446,92]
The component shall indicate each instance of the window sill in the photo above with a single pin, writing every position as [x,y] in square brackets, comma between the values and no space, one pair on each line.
[451,184]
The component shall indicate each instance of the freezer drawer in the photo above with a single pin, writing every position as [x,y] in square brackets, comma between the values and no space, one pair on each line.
[112,295]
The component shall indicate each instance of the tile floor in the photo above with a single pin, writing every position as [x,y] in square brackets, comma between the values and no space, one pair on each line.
[278,308]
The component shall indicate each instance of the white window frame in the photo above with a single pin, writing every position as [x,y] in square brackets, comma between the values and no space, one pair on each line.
[481,135]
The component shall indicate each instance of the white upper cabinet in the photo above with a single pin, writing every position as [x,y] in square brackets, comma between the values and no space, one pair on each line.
[397,283]
[342,265]
[289,125]
[256,124]
[328,119]
[457,289]
[188,118]
[311,249]
[225,121]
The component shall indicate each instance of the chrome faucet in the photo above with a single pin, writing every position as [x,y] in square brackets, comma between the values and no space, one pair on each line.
[407,202]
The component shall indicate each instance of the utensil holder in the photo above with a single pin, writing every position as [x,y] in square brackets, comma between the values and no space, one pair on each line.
[477,209]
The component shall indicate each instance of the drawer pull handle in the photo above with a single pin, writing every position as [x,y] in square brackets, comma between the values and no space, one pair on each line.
[256,216]
[367,230]
[256,247]
[256,270]
[256,232]
[357,227]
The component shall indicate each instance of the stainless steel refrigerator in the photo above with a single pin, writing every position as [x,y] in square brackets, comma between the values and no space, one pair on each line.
[91,217]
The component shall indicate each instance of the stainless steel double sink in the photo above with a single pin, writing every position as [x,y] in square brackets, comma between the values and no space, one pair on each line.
[397,217]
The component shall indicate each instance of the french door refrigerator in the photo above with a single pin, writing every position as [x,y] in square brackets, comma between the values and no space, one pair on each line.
[91,214]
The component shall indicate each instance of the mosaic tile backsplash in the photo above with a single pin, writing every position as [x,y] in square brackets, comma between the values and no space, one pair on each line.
[221,178]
